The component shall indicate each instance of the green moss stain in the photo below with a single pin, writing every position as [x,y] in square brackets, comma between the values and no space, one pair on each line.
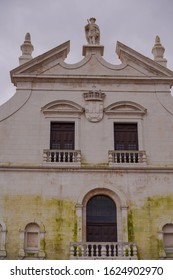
[60,223]
[57,216]
[42,244]
[75,231]
[63,224]
[95,165]
[130,226]
[160,245]
[144,224]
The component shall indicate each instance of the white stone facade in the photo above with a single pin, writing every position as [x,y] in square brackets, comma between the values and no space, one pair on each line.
[51,188]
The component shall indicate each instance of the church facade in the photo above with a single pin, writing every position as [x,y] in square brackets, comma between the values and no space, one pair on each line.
[86,155]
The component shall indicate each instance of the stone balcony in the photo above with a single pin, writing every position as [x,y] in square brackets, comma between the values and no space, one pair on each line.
[120,157]
[103,250]
[62,157]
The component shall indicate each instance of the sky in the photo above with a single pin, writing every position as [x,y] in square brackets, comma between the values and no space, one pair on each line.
[134,23]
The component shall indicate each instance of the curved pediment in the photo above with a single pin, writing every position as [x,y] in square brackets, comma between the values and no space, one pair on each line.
[125,107]
[62,107]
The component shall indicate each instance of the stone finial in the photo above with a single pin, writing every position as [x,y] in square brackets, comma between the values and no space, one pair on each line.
[92,32]
[27,49]
[158,52]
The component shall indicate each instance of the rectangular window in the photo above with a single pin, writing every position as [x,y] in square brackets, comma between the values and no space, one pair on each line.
[125,136]
[32,240]
[62,136]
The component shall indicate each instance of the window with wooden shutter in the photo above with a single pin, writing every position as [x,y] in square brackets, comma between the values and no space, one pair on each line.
[101,219]
[126,136]
[62,136]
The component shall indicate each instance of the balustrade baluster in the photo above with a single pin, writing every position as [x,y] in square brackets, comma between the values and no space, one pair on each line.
[134,157]
[108,247]
[87,251]
[128,251]
[47,156]
[120,157]
[59,157]
[54,156]
[72,253]
[120,250]
[68,156]
[115,158]
[110,157]
[76,251]
[124,250]
[103,250]
[73,156]
[95,250]
[78,157]
[63,156]
[83,251]
[126,156]
[91,250]
[134,250]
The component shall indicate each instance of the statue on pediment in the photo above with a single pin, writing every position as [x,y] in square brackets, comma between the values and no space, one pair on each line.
[92,32]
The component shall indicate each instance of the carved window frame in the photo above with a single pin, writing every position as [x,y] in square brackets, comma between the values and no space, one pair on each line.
[32,228]
[62,111]
[122,212]
[28,252]
[164,252]
[126,112]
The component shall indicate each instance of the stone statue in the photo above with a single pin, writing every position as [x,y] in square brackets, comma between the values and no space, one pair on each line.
[92,32]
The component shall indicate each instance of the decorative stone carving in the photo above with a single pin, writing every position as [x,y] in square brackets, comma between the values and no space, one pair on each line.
[92,32]
[94,105]
[27,49]
[158,52]
[59,107]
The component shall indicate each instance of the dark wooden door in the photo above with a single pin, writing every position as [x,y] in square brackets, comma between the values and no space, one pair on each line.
[125,136]
[62,136]
[101,219]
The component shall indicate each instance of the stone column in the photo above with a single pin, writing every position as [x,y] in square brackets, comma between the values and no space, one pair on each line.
[124,223]
[41,253]
[2,244]
[162,254]
[79,221]
[21,244]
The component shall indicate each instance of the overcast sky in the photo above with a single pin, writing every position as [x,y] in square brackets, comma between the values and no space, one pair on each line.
[53,22]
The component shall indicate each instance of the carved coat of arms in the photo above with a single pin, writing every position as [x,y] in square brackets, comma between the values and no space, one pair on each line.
[94,105]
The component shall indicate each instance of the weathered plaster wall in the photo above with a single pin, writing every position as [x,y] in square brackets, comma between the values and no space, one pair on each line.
[145,224]
[27,132]
[58,217]
[51,197]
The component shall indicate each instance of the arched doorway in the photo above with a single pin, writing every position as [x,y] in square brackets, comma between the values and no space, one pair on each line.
[101,219]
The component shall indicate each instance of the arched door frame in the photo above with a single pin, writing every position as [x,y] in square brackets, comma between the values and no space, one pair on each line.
[121,205]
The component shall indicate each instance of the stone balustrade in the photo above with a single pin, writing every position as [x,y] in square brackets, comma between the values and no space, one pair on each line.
[123,157]
[62,156]
[103,250]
